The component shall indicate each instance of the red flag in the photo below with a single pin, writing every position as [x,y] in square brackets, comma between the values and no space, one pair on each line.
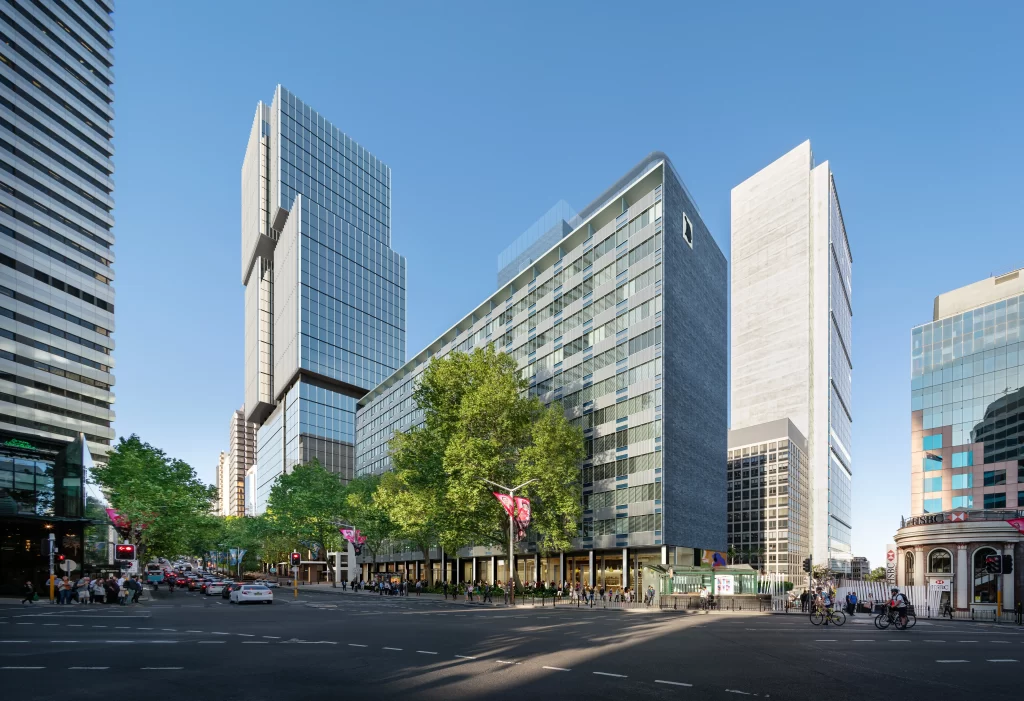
[523,511]
[1017,523]
[506,502]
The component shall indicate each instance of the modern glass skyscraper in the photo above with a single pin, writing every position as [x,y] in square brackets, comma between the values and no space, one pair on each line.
[967,400]
[791,329]
[325,294]
[56,239]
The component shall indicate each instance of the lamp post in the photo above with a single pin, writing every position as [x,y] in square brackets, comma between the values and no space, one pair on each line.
[511,530]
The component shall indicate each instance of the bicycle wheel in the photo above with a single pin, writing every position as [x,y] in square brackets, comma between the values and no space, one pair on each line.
[817,618]
[911,620]
[878,621]
[838,617]
[883,621]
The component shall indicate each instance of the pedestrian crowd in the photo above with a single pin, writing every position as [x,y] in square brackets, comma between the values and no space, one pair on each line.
[123,590]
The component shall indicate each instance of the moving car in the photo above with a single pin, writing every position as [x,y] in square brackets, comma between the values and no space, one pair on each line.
[252,594]
[228,588]
[267,583]
[212,588]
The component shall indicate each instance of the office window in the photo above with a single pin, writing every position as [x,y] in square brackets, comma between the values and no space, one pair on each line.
[995,501]
[933,442]
[933,484]
[687,230]
[964,481]
[963,502]
[932,506]
[932,462]
[964,459]
[995,477]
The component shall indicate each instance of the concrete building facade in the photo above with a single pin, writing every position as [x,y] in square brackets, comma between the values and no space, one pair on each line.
[622,321]
[791,329]
[324,291]
[241,457]
[220,507]
[768,497]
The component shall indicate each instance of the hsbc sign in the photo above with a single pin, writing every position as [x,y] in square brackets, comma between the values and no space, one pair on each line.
[890,563]
[940,584]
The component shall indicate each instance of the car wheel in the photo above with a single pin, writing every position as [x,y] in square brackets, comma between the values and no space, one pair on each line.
[270,602]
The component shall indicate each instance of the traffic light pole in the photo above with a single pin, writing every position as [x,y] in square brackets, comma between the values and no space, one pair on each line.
[52,541]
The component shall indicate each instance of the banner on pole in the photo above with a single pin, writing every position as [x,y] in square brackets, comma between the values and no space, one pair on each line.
[1017,523]
[522,517]
[507,502]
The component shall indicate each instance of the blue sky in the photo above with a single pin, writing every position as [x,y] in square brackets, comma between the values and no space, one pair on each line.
[488,115]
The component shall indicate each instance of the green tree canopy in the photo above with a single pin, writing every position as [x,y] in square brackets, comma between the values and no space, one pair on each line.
[149,488]
[479,425]
[877,575]
[306,504]
[362,509]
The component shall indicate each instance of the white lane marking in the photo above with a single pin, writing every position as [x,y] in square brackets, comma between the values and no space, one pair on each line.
[609,674]
[63,641]
[737,691]
[51,624]
[22,667]
[1000,660]
[24,624]
[825,640]
[662,681]
[426,652]
[143,629]
[72,625]
[163,642]
[88,667]
[211,642]
[863,640]
[255,642]
[13,641]
[899,641]
[119,627]
[272,637]
[949,661]
[392,648]
[355,645]
[246,635]
[161,668]
[1000,642]
[506,662]
[188,631]
[461,657]
[170,630]
[557,669]
[935,641]
[219,633]
[967,641]
[119,641]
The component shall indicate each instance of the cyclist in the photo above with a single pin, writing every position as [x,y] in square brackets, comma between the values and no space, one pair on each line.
[825,600]
[899,602]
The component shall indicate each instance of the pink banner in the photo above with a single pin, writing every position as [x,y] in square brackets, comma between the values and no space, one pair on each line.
[117,519]
[1017,523]
[523,512]
[506,502]
[348,534]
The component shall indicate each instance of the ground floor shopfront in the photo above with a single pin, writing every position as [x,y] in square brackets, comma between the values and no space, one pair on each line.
[609,569]
[946,553]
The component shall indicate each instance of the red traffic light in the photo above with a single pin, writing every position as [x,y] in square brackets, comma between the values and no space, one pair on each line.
[60,558]
[296,559]
[124,552]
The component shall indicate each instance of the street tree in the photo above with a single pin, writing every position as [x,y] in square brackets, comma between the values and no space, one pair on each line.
[480,425]
[161,497]
[876,575]
[363,510]
[306,504]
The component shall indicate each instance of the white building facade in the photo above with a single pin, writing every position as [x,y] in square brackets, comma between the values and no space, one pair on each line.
[791,329]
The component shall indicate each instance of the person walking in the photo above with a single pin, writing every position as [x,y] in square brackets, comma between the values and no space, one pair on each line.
[444,589]
[96,590]
[803,601]
[137,585]
[122,592]
[28,592]
[65,591]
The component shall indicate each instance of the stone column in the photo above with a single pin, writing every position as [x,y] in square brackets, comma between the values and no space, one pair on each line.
[474,570]
[457,574]
[962,578]
[561,568]
[920,567]
[590,578]
[901,567]
[444,566]
[536,566]
[1008,598]
[664,554]
[494,569]
[625,567]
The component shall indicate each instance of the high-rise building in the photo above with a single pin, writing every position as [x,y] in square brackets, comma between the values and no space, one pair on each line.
[769,497]
[860,568]
[622,321]
[324,291]
[967,400]
[791,329]
[241,457]
[56,258]
[220,507]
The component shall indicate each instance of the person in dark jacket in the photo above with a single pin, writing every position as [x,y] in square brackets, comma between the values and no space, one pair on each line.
[29,592]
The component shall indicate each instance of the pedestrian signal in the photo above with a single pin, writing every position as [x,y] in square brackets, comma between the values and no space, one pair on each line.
[60,558]
[124,552]
[807,564]
[358,549]
[993,564]
[1007,564]
[296,559]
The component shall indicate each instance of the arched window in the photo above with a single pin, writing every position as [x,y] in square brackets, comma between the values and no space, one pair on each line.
[940,562]
[908,562]
[984,583]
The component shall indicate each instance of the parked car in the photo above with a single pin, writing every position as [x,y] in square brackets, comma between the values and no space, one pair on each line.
[267,583]
[252,594]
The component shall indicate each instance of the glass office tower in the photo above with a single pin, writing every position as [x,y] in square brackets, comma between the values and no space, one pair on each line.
[56,222]
[325,294]
[967,400]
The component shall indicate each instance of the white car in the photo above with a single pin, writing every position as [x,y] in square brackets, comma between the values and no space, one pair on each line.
[214,588]
[266,583]
[252,594]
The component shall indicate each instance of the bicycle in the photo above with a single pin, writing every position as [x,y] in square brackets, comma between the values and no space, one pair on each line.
[821,615]
[891,617]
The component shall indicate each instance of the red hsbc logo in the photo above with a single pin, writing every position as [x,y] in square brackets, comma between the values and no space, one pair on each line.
[961,516]
[940,581]
[890,556]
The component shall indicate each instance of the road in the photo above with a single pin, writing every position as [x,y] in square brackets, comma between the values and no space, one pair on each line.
[351,644]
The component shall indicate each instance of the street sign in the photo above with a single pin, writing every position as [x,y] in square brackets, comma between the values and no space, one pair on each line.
[69,566]
[273,570]
[295,569]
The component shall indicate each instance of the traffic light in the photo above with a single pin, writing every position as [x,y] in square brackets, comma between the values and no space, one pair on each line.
[807,565]
[60,558]
[993,564]
[296,559]
[124,552]
[1007,564]
[358,549]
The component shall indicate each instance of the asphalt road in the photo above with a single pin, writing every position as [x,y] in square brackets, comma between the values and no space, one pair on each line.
[349,644]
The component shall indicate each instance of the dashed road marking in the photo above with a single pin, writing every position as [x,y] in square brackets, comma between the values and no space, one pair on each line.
[22,667]
[355,645]
[663,681]
[609,674]
[465,657]
[1000,660]
[557,669]
[392,648]
[211,642]
[506,662]
[161,668]
[949,661]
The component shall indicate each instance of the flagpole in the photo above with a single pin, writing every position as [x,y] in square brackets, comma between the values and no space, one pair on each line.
[511,531]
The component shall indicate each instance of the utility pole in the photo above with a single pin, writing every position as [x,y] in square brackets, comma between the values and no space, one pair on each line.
[52,541]
[511,532]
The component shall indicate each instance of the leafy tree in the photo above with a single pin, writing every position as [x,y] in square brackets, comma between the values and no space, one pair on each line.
[877,575]
[161,497]
[405,498]
[478,425]
[731,554]
[367,513]
[306,505]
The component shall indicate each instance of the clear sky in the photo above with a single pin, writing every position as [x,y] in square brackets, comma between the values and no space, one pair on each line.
[489,114]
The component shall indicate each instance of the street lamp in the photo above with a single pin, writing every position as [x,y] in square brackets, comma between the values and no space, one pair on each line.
[511,529]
